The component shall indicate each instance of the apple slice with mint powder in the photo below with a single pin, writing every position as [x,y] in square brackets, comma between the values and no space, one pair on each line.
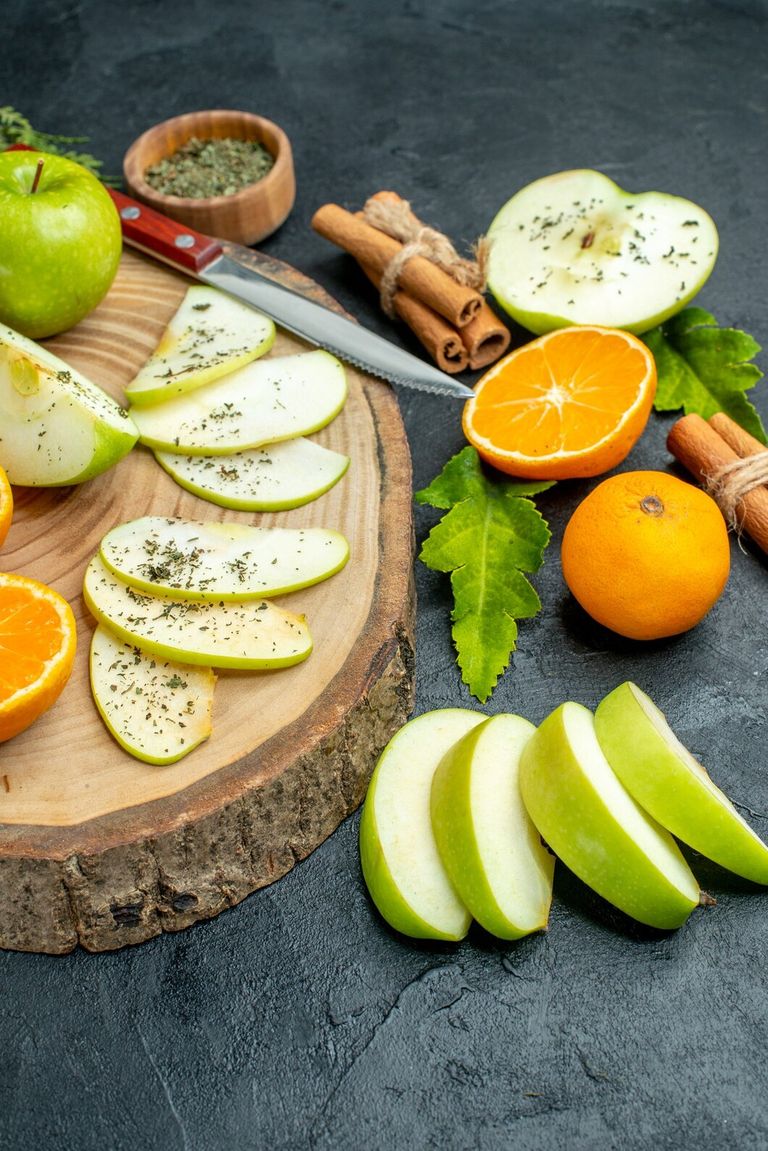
[273,478]
[264,402]
[401,864]
[158,710]
[56,427]
[252,635]
[490,848]
[574,248]
[210,335]
[668,782]
[591,822]
[215,561]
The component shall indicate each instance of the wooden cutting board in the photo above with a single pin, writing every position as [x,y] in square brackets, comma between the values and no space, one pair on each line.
[99,849]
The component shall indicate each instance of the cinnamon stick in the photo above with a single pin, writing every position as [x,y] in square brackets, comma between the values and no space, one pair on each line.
[704,452]
[441,340]
[419,278]
[485,337]
[735,436]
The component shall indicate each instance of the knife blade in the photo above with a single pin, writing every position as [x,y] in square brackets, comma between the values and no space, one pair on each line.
[214,263]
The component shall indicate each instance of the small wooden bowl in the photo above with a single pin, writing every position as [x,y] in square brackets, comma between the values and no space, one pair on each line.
[246,216]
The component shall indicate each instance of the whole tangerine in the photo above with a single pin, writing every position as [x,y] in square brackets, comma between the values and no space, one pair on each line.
[646,554]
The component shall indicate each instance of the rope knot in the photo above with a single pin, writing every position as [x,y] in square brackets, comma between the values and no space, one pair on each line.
[394,216]
[731,483]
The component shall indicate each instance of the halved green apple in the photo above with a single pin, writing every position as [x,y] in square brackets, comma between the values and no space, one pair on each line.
[668,782]
[254,635]
[400,860]
[210,335]
[272,478]
[158,710]
[593,824]
[574,248]
[266,401]
[56,427]
[214,561]
[490,848]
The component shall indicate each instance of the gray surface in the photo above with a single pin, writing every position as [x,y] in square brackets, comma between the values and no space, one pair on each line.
[297,1019]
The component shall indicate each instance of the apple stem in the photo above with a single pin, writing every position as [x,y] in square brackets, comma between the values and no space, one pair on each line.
[38,173]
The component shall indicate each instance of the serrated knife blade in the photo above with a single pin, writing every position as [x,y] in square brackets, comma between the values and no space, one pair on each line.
[206,259]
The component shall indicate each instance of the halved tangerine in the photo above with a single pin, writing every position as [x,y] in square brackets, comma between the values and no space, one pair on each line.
[572,403]
[37,648]
[6,506]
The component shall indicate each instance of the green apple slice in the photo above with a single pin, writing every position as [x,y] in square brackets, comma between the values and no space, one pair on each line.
[663,776]
[267,401]
[210,335]
[273,478]
[574,248]
[56,427]
[492,852]
[593,824]
[252,635]
[158,710]
[213,561]
[400,860]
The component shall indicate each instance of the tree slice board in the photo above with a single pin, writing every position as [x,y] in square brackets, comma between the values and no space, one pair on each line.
[100,849]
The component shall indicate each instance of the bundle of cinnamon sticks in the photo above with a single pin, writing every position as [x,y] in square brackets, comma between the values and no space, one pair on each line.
[441,302]
[718,450]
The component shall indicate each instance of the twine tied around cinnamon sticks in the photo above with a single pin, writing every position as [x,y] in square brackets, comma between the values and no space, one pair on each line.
[394,216]
[731,465]
[732,482]
[425,281]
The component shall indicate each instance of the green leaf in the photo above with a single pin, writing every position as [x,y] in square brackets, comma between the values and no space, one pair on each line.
[490,534]
[705,369]
[463,476]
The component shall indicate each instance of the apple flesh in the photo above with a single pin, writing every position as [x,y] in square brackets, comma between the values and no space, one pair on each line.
[158,711]
[268,479]
[266,401]
[663,776]
[56,427]
[490,848]
[213,561]
[592,823]
[401,864]
[210,335]
[59,245]
[252,635]
[574,248]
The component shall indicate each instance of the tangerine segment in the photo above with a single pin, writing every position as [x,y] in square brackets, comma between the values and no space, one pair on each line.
[37,648]
[6,506]
[646,554]
[570,404]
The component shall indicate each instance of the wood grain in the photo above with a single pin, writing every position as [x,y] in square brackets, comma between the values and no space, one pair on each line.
[100,849]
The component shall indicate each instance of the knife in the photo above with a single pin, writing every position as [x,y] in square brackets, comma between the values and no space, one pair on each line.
[206,259]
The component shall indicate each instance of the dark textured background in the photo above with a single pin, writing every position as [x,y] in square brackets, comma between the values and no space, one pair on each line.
[298,1020]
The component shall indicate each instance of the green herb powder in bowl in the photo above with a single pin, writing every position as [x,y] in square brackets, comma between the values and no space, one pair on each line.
[215,167]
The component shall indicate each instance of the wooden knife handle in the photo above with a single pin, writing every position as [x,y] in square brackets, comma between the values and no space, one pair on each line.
[160,236]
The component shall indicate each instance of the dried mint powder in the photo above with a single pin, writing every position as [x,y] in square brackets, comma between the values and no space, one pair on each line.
[217,167]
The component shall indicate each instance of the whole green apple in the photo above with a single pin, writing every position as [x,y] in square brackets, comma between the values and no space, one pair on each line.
[60,243]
